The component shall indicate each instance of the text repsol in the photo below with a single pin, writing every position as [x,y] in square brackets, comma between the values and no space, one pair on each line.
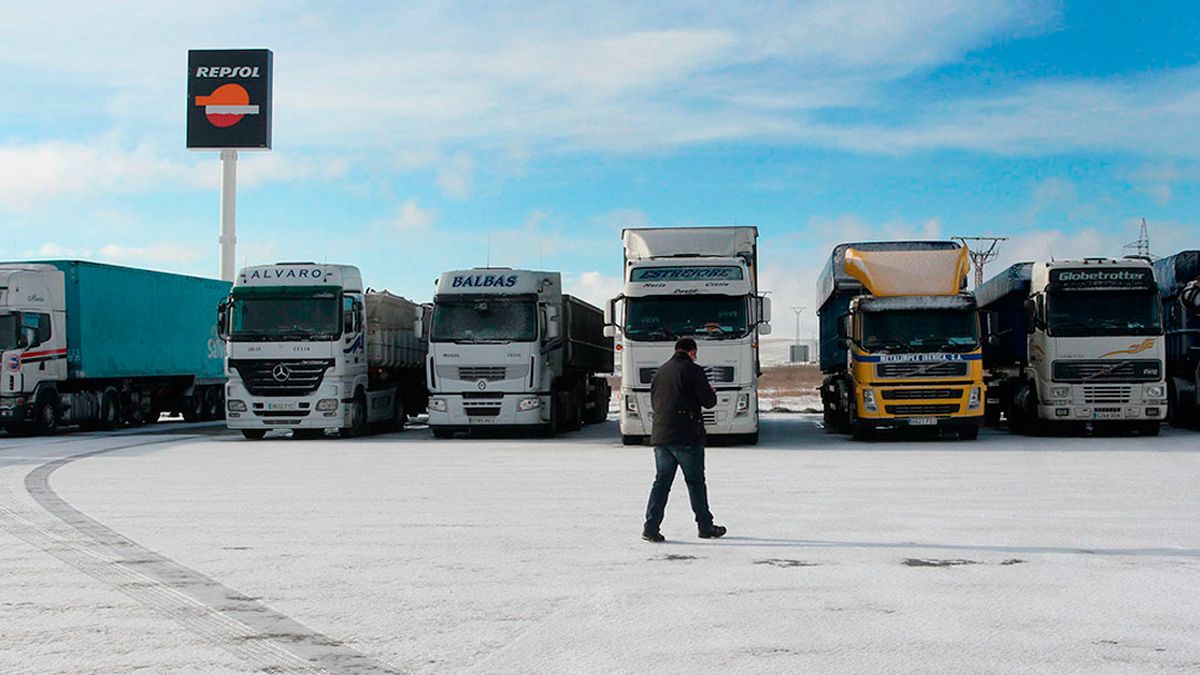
[227,71]
[484,281]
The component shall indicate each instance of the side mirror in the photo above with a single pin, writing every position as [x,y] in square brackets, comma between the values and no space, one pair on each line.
[843,327]
[1030,316]
[993,340]
[552,327]
[764,311]
[610,317]
[22,341]
[223,319]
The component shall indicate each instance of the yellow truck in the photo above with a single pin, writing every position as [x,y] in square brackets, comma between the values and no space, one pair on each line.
[900,339]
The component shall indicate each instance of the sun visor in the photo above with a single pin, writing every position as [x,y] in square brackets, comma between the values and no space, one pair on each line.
[895,273]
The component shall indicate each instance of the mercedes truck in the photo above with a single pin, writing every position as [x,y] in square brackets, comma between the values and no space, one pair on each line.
[1178,278]
[899,339]
[1075,343]
[697,282]
[311,350]
[100,346]
[510,351]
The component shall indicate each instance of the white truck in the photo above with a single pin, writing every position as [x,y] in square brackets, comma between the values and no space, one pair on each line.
[697,282]
[1075,342]
[309,349]
[508,350]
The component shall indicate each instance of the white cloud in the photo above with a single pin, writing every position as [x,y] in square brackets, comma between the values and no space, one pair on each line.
[158,256]
[594,287]
[619,219]
[411,217]
[456,174]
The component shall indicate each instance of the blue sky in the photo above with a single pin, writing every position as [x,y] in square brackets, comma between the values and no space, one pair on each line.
[410,140]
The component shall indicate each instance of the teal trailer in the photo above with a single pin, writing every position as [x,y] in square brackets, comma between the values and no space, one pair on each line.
[100,345]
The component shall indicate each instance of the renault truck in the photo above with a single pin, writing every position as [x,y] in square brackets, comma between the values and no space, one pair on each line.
[1076,343]
[701,283]
[1178,278]
[101,346]
[900,340]
[509,351]
[310,350]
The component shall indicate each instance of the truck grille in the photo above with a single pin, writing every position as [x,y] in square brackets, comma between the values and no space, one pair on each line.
[1139,370]
[297,377]
[489,409]
[716,374]
[919,394]
[709,417]
[490,373]
[922,410]
[1107,394]
[944,369]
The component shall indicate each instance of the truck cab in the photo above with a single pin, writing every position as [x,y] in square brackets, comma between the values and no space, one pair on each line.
[297,357]
[33,345]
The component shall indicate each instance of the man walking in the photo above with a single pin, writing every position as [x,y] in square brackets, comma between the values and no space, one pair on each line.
[677,392]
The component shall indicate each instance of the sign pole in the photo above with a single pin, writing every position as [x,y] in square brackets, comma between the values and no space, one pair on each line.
[228,214]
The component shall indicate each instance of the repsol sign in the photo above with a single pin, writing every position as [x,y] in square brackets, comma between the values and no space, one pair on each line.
[311,273]
[484,281]
[1081,278]
[227,71]
[229,99]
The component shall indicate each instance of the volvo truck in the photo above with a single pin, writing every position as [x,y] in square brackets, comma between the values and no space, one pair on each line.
[311,350]
[697,282]
[900,339]
[510,351]
[1178,278]
[1076,343]
[100,346]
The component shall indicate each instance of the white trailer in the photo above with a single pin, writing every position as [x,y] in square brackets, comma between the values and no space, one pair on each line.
[509,350]
[697,282]
[309,349]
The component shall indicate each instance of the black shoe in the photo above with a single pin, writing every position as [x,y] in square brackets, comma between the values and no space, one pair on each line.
[714,532]
[655,537]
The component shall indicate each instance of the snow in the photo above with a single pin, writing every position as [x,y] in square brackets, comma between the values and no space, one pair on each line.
[511,555]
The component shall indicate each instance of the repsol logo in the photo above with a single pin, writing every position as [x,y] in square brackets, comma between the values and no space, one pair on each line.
[225,72]
[484,281]
[287,273]
[1120,275]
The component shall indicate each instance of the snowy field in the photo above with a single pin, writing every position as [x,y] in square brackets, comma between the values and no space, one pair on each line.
[189,550]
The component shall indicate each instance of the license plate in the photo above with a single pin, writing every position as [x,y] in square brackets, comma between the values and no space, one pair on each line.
[922,421]
[282,406]
[479,420]
[1106,415]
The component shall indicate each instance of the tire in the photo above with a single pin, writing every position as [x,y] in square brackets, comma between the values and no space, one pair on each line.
[1149,428]
[574,411]
[968,433]
[254,434]
[442,433]
[749,439]
[108,415]
[400,421]
[46,415]
[308,434]
[193,407]
[212,400]
[628,439]
[358,417]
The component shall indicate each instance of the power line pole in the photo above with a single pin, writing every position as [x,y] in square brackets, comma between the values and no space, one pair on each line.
[1142,245]
[798,310]
[983,254]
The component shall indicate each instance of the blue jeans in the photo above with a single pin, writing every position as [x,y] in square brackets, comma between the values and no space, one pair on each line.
[691,459]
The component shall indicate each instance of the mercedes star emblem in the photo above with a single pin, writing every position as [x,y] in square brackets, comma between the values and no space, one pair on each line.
[281,373]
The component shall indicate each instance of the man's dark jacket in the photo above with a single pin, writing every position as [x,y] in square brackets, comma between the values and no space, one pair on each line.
[677,392]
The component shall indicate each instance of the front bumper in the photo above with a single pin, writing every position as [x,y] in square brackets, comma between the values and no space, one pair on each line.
[14,409]
[498,410]
[285,412]
[1103,402]
[722,419]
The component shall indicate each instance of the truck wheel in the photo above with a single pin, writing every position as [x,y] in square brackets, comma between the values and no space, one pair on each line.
[968,433]
[628,439]
[308,434]
[107,413]
[574,410]
[442,433]
[749,439]
[47,415]
[358,417]
[254,434]
[401,418]
[193,407]
[1149,428]
[861,432]
[212,403]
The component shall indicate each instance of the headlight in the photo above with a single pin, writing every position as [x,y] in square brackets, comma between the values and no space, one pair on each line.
[327,404]
[973,400]
[1155,391]
[1060,392]
[631,404]
[437,405]
[743,403]
[236,405]
[869,400]
[529,404]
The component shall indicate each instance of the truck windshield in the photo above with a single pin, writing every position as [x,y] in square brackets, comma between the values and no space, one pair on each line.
[656,318]
[920,330]
[1099,313]
[291,313]
[487,319]
[9,325]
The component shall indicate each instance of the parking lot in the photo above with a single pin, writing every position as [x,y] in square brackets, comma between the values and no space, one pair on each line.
[402,553]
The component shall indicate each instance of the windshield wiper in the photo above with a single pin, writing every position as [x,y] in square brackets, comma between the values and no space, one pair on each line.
[893,345]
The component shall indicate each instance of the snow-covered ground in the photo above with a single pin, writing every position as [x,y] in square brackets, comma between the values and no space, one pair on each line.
[198,552]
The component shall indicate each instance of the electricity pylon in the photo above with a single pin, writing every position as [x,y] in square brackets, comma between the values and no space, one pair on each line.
[980,255]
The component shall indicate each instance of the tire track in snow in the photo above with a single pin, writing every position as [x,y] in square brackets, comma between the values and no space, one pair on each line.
[266,639]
